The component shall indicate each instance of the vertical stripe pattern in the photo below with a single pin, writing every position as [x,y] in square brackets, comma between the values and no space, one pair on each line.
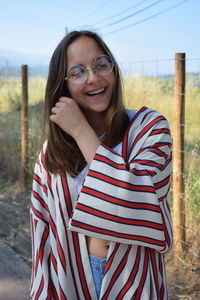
[123,200]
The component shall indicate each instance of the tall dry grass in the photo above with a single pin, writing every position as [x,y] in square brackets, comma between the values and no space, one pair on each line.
[153,92]
[10,123]
[157,93]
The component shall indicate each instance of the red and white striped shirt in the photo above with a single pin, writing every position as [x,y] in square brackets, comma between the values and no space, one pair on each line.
[123,200]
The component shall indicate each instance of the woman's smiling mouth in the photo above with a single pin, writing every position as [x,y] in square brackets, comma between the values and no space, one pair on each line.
[96,92]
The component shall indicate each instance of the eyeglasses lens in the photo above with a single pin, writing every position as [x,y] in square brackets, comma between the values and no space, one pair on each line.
[76,74]
[101,65]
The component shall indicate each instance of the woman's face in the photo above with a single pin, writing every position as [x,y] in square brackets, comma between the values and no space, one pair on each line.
[93,95]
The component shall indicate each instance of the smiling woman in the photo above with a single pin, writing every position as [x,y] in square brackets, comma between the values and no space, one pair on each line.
[100,214]
[94,92]
[100,99]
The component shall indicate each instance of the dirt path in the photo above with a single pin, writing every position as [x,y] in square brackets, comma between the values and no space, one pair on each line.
[14,274]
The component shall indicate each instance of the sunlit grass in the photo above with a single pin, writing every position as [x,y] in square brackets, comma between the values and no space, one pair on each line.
[157,93]
[153,92]
[10,123]
[10,92]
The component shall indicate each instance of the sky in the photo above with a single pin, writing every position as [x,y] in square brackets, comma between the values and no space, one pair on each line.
[136,31]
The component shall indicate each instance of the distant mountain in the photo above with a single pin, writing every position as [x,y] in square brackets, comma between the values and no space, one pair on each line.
[14,58]
[11,61]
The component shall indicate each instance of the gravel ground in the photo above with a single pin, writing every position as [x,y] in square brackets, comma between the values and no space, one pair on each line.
[15,274]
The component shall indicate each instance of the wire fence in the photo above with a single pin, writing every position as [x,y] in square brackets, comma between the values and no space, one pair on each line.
[149,83]
[149,86]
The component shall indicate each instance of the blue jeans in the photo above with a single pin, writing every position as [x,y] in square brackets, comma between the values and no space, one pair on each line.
[97,266]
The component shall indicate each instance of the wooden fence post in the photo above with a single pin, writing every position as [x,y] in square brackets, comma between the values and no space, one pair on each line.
[24,124]
[178,154]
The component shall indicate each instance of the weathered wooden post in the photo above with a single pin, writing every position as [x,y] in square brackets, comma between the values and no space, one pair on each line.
[24,124]
[178,154]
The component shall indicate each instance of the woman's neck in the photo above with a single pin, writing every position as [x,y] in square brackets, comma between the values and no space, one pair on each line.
[97,121]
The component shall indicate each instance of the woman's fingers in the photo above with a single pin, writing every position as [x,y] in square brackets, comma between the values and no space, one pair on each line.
[68,116]
[65,99]
[54,110]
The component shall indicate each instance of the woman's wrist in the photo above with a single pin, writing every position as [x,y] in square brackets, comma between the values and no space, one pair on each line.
[87,141]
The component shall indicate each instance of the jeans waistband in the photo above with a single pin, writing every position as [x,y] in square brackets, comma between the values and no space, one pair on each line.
[98,262]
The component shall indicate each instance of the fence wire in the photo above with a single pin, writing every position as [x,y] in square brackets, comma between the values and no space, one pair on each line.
[149,86]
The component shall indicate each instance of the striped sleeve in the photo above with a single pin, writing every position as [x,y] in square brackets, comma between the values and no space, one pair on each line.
[124,198]
[40,234]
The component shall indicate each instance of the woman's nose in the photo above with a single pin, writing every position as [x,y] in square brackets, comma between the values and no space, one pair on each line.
[91,75]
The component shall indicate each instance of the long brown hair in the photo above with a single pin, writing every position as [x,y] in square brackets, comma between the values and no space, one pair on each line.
[62,153]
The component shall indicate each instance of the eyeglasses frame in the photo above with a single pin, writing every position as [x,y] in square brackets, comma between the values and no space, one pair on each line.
[92,67]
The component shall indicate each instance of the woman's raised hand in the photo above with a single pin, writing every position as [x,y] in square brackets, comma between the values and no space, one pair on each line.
[68,116]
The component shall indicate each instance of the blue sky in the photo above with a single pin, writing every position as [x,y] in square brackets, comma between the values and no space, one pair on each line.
[36,27]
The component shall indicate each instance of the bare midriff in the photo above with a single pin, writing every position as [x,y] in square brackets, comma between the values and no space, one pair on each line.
[97,247]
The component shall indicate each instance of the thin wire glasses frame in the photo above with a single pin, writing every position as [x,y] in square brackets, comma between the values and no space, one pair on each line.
[101,65]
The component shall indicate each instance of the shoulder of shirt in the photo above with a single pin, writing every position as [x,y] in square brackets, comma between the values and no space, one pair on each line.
[132,113]
[42,153]
[44,147]
[144,116]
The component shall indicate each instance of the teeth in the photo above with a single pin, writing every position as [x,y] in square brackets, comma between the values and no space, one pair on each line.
[96,92]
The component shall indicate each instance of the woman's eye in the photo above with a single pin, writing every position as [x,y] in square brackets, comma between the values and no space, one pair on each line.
[104,66]
[76,73]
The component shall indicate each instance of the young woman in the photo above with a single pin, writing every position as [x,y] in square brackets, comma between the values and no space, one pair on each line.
[100,215]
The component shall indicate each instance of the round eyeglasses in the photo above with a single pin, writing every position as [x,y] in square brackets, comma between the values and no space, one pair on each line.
[101,65]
